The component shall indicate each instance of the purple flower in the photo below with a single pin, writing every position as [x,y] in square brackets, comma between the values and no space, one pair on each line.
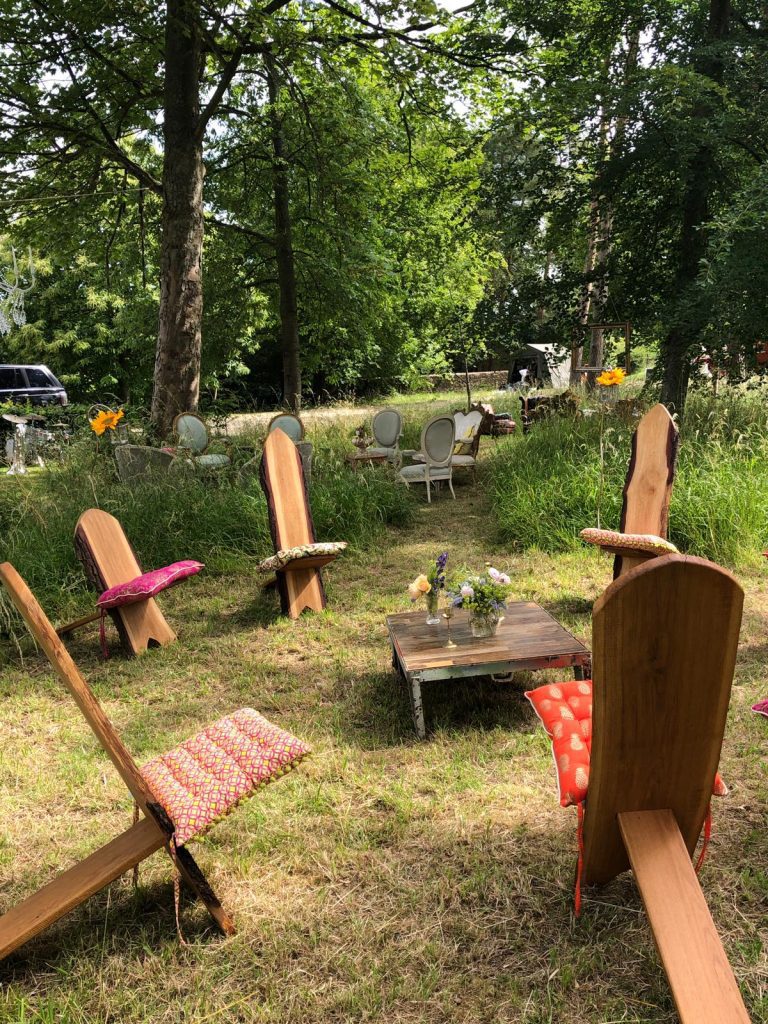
[441,561]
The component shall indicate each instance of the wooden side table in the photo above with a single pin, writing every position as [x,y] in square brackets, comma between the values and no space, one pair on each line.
[528,639]
[358,459]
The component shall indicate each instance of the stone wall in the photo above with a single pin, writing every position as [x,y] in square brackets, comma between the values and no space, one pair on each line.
[484,379]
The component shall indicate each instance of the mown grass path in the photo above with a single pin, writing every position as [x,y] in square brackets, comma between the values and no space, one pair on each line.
[387,879]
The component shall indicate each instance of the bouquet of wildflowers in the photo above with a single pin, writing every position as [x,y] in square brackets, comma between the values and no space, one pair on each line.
[430,582]
[484,594]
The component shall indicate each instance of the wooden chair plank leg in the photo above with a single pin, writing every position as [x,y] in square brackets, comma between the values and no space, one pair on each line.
[190,872]
[70,627]
[305,590]
[702,982]
[74,886]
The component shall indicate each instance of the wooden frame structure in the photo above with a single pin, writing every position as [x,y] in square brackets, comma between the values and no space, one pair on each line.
[664,649]
[299,582]
[109,560]
[150,833]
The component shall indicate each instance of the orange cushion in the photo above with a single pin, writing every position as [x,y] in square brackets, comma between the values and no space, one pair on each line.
[565,710]
[204,778]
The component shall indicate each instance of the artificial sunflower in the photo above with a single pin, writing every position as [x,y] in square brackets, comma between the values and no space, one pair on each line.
[99,423]
[610,378]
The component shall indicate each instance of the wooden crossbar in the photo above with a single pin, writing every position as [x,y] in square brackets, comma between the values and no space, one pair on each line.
[71,888]
[700,977]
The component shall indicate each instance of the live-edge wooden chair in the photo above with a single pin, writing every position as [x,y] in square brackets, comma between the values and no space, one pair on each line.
[275,752]
[298,556]
[664,648]
[109,560]
[647,492]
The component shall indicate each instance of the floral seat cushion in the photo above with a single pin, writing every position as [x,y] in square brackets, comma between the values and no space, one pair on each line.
[648,543]
[203,779]
[147,585]
[282,558]
[565,711]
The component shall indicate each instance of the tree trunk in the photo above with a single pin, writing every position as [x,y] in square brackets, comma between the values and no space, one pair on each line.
[286,266]
[701,170]
[179,342]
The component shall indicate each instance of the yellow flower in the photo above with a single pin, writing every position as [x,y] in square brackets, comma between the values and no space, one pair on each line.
[99,422]
[420,585]
[113,418]
[610,378]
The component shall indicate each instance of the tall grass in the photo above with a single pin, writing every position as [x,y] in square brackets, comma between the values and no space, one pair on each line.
[221,521]
[546,486]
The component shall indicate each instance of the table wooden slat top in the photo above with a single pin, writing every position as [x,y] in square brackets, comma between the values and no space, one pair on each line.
[527,637]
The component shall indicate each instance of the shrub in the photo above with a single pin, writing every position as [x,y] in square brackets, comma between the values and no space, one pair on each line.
[545,486]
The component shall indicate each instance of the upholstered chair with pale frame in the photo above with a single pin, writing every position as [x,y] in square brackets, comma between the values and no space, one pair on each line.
[434,467]
[387,426]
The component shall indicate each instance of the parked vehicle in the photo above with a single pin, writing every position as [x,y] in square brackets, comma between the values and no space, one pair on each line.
[34,384]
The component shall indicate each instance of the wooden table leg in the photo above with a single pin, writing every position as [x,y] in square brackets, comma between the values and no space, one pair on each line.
[414,693]
[417,708]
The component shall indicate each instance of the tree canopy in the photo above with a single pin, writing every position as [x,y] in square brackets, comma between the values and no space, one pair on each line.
[301,198]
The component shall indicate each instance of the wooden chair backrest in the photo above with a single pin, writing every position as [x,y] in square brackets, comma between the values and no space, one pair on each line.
[283,481]
[105,538]
[59,657]
[664,639]
[650,475]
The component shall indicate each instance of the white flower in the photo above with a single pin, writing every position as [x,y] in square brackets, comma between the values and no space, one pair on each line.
[494,574]
[467,591]
[503,578]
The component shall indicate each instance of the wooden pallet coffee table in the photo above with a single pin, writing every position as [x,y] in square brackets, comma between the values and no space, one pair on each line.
[528,639]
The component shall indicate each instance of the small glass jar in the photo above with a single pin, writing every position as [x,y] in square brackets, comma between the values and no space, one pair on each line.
[433,599]
[483,624]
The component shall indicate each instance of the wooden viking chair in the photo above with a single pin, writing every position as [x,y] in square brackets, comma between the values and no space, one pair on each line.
[664,648]
[647,491]
[298,557]
[248,752]
[109,560]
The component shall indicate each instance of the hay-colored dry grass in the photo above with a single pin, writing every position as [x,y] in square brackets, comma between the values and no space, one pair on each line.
[387,879]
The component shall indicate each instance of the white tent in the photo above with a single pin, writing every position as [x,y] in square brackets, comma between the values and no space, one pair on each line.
[543,361]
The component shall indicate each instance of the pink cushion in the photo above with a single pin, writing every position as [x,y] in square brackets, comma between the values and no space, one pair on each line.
[147,585]
[761,708]
[204,778]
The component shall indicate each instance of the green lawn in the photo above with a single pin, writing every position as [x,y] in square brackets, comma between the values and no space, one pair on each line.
[386,879]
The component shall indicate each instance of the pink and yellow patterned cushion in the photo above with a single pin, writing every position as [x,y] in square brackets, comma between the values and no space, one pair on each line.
[147,585]
[203,779]
[613,540]
[565,711]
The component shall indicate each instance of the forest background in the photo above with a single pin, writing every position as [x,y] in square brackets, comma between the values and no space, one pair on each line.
[304,200]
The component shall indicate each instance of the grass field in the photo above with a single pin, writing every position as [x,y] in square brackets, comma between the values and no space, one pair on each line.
[386,879]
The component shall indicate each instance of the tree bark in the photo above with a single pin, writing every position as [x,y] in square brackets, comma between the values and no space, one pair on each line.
[701,170]
[179,342]
[286,265]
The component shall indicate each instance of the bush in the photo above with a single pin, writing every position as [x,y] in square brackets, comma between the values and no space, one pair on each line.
[546,487]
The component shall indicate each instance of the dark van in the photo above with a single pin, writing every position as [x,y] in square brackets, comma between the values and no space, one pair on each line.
[34,384]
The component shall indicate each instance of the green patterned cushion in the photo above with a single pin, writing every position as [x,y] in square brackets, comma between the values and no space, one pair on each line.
[648,543]
[282,558]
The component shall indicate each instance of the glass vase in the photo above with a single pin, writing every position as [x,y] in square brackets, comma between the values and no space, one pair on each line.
[483,624]
[433,599]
